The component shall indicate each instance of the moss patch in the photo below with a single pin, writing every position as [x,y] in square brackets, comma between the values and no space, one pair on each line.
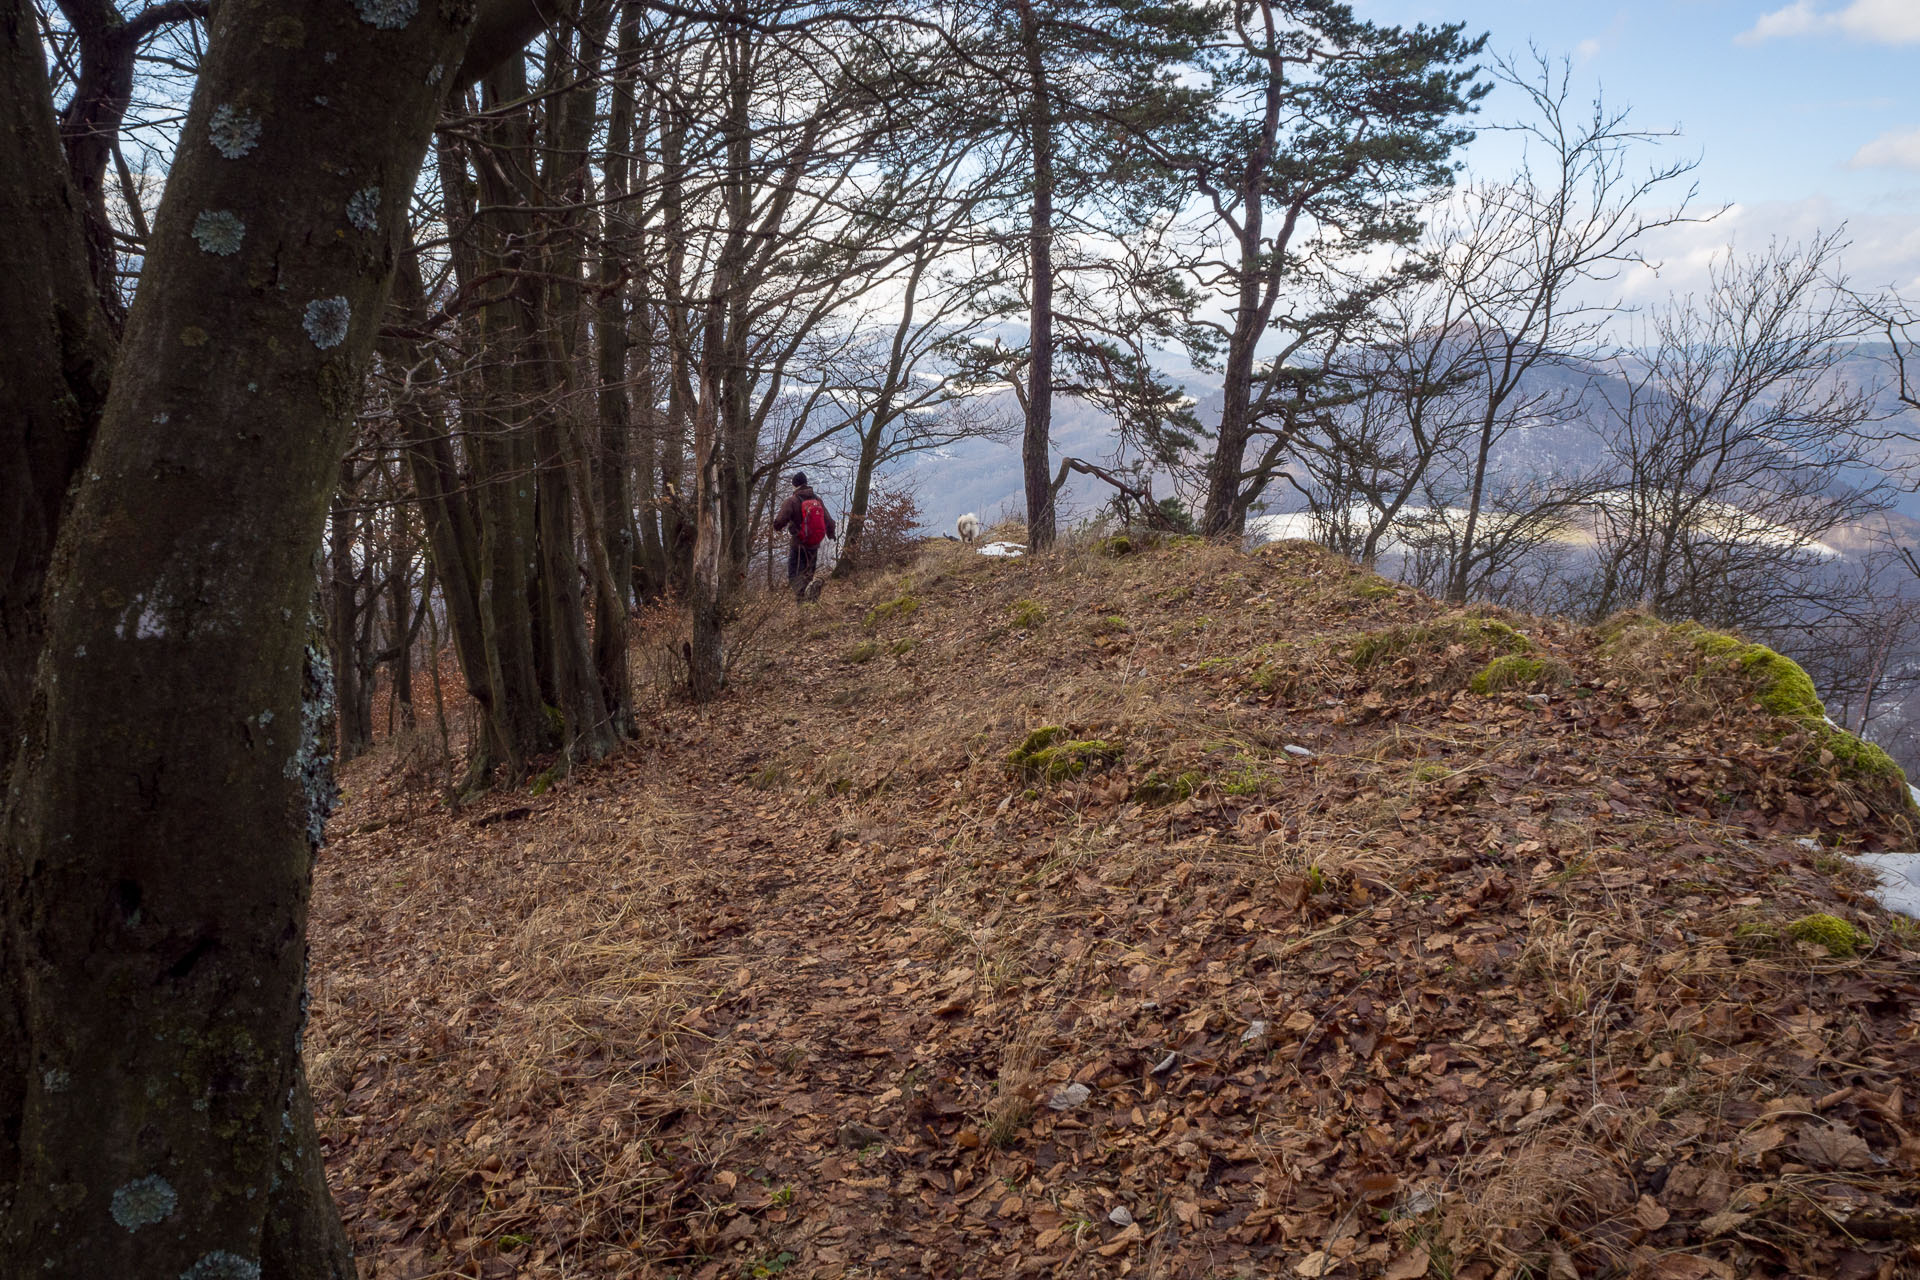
[1488,635]
[866,651]
[903,605]
[1836,935]
[1028,614]
[1782,688]
[1048,755]
[1515,671]
[1158,788]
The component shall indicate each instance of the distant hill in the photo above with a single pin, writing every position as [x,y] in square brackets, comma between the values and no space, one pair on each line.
[985,477]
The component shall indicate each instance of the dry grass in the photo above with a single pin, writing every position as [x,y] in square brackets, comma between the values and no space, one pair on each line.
[516,1048]
[1493,938]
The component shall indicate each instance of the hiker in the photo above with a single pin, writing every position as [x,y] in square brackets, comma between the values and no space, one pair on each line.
[806,517]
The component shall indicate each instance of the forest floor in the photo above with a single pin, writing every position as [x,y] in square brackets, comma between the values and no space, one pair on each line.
[1290,955]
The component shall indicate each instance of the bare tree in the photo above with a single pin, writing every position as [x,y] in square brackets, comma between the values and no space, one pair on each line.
[1529,258]
[1737,446]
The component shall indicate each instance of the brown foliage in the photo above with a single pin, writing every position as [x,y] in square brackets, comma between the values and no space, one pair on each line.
[1479,986]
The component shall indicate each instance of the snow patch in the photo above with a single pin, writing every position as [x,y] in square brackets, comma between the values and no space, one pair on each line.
[1899,875]
[1003,549]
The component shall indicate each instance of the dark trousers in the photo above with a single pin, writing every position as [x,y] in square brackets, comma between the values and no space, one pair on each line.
[801,562]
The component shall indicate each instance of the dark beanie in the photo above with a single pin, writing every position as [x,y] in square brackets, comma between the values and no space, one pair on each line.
[799,479]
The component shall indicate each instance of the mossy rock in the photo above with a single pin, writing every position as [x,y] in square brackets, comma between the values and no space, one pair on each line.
[1441,654]
[1118,545]
[1028,614]
[1371,587]
[1838,937]
[1047,755]
[1516,671]
[866,651]
[1158,788]
[903,605]
[1482,635]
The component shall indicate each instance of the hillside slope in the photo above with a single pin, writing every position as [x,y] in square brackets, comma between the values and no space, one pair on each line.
[1179,913]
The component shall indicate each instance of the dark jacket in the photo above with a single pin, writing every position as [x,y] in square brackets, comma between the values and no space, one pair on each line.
[789,517]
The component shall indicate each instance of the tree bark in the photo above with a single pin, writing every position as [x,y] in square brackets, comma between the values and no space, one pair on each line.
[56,355]
[1036,441]
[157,865]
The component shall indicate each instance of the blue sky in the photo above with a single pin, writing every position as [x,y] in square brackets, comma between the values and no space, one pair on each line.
[1803,113]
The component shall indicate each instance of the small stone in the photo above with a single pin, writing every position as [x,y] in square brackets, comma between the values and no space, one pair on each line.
[1120,1217]
[1069,1096]
[1295,749]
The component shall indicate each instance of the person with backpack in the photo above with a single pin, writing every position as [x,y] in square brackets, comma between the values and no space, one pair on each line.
[806,518]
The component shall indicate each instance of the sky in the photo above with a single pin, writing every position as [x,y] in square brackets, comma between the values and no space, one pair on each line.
[1803,114]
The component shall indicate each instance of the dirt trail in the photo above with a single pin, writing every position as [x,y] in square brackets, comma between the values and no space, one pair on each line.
[1333,969]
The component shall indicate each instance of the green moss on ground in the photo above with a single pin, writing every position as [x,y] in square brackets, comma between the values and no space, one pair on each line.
[1515,671]
[865,651]
[1836,935]
[1482,634]
[903,605]
[1047,755]
[1158,788]
[1783,688]
[1028,614]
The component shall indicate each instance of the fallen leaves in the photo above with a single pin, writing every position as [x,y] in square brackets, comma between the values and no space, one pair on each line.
[1511,1017]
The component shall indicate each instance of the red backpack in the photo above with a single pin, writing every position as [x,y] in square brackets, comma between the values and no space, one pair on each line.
[813,522]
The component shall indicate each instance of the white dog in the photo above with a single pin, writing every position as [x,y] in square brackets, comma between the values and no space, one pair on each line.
[969,527]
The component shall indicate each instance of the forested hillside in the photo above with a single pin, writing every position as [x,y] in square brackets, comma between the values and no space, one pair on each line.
[1151,911]
[534,415]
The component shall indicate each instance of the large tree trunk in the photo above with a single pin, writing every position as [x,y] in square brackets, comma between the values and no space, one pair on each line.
[55,357]
[165,807]
[1036,442]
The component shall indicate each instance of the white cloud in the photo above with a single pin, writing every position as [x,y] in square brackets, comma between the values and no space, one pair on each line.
[1882,248]
[1899,150]
[1878,21]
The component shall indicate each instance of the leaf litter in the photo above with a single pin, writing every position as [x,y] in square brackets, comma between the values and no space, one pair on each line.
[1483,986]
